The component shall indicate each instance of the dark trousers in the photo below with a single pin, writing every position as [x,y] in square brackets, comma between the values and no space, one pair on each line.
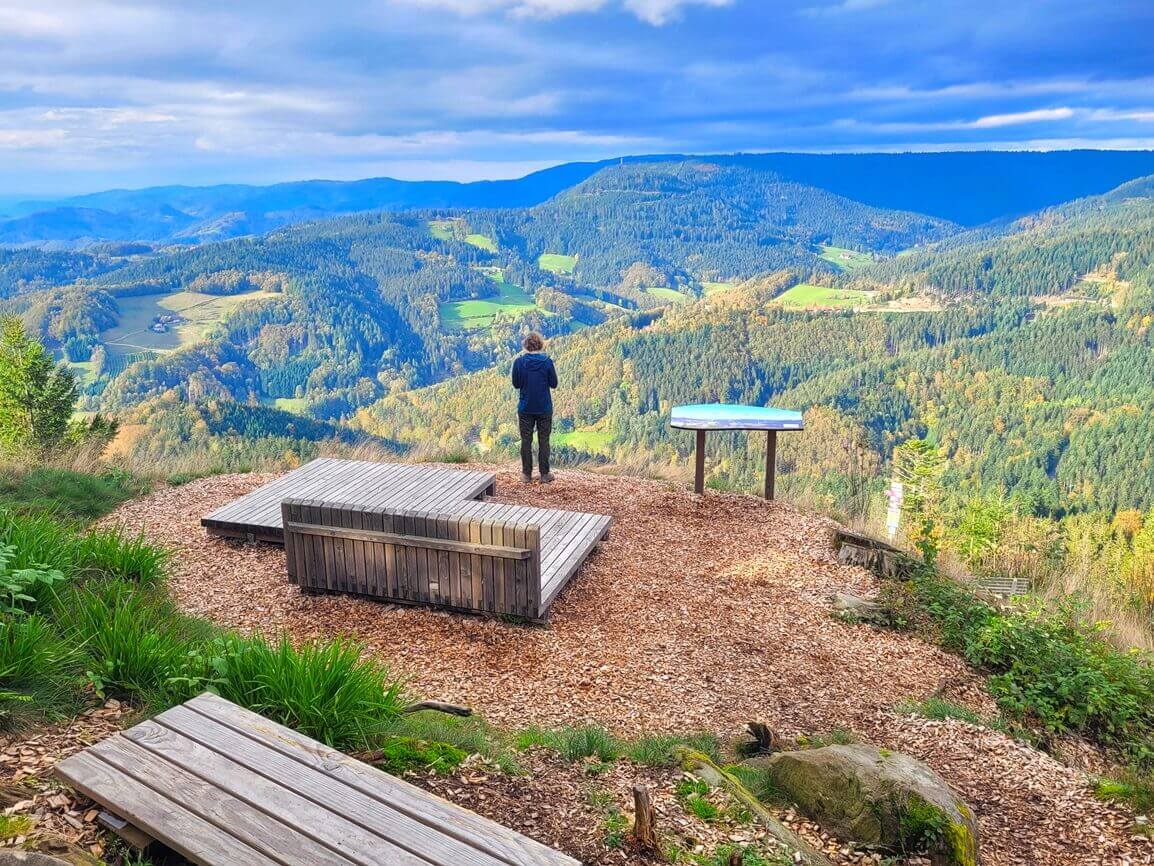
[544,425]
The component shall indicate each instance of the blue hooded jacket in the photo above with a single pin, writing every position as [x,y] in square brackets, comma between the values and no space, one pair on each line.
[534,376]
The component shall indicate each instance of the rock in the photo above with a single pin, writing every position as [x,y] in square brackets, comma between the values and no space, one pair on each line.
[854,608]
[874,796]
[29,858]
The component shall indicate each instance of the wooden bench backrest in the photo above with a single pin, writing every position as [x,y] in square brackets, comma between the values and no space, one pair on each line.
[414,556]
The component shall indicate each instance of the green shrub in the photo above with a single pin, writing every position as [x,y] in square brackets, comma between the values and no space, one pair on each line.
[614,826]
[38,675]
[574,743]
[113,554]
[1049,666]
[939,710]
[661,750]
[76,496]
[136,643]
[324,690]
[23,589]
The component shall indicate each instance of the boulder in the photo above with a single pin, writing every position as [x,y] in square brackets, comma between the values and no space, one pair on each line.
[29,858]
[854,608]
[877,797]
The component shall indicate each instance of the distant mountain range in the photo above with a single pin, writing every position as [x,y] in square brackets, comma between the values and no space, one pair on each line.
[968,188]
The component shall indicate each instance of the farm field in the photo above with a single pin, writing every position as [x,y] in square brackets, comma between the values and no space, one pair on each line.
[201,312]
[483,242]
[480,312]
[806,296]
[587,439]
[847,260]
[668,294]
[557,263]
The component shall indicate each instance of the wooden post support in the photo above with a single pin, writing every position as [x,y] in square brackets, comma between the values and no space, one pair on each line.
[644,820]
[699,469]
[770,462]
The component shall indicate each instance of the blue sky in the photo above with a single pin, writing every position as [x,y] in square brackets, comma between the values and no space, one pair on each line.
[102,93]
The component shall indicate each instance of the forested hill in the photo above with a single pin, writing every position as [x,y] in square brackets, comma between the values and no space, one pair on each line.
[697,220]
[966,188]
[334,314]
[1086,247]
[1046,405]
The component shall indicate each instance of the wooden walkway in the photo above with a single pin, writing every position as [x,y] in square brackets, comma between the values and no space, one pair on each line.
[257,516]
[223,786]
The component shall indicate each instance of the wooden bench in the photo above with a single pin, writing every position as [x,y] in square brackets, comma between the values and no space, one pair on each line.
[257,515]
[223,786]
[473,556]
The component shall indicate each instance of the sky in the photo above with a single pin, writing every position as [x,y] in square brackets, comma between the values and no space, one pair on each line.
[96,94]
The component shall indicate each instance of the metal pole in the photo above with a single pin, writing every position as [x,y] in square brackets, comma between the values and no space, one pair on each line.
[699,470]
[770,461]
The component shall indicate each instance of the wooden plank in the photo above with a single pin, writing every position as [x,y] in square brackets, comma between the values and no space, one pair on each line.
[426,542]
[169,822]
[369,814]
[263,829]
[336,839]
[485,835]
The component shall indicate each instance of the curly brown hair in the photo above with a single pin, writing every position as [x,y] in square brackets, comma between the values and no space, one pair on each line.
[533,342]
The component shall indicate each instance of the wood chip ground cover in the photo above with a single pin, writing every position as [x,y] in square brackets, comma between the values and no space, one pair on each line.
[698,613]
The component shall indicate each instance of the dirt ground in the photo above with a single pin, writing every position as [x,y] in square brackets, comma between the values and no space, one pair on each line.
[697,614]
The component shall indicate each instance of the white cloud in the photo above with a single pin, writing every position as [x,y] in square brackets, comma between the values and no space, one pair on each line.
[1040,115]
[655,12]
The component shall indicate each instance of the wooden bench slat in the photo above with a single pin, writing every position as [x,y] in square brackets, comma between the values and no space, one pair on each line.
[166,821]
[485,835]
[334,794]
[260,829]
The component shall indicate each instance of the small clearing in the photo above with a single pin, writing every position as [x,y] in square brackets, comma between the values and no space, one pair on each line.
[667,294]
[480,312]
[557,263]
[697,613]
[845,259]
[195,314]
[806,296]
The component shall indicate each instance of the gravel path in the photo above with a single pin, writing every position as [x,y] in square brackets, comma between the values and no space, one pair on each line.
[696,614]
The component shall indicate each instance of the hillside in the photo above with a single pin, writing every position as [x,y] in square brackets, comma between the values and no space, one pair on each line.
[333,315]
[966,188]
[1091,247]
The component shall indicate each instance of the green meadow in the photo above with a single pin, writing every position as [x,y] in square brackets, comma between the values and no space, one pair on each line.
[480,312]
[200,312]
[483,242]
[588,440]
[557,263]
[847,260]
[442,230]
[806,296]
[667,294]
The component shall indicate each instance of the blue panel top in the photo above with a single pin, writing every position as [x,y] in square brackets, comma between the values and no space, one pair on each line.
[721,416]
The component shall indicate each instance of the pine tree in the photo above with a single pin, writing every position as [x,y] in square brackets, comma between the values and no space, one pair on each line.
[36,394]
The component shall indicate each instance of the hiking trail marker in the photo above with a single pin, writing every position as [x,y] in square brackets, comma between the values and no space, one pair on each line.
[704,417]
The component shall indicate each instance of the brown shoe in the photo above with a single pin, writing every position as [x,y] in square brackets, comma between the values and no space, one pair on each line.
[526,478]
[547,478]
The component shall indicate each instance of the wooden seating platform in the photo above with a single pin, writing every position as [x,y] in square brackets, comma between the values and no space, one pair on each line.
[223,786]
[477,556]
[416,535]
[257,516]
